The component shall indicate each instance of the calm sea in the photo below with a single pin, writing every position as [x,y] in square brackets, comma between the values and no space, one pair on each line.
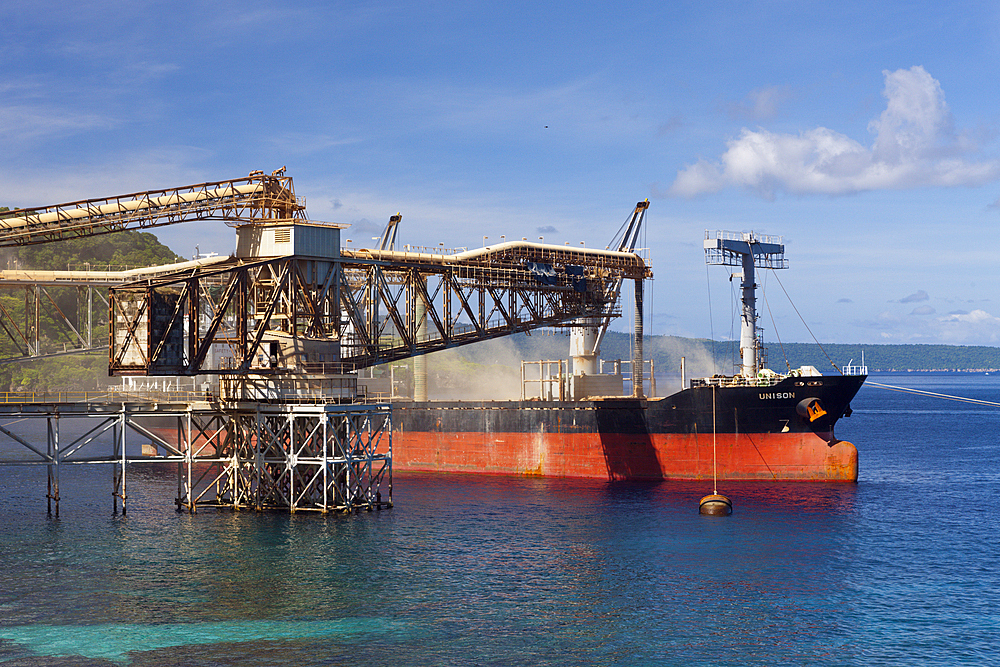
[900,569]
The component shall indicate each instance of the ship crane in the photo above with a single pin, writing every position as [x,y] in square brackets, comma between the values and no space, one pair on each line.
[748,250]
[388,238]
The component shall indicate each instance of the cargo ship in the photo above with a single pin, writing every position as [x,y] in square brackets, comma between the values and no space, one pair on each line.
[753,425]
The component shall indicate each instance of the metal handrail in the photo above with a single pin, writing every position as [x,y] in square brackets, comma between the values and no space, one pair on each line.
[53,396]
[738,381]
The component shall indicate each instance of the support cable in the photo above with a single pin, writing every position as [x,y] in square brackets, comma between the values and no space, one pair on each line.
[835,366]
[932,394]
[711,323]
[775,326]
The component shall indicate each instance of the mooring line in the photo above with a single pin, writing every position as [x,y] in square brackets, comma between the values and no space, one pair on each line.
[747,436]
[736,418]
[933,394]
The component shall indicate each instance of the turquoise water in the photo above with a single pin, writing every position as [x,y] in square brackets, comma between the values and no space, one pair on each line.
[899,569]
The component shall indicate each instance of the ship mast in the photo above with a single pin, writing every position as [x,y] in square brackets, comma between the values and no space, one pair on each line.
[747,250]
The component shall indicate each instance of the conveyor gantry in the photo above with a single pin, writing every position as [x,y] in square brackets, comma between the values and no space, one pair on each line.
[292,301]
[316,315]
[253,199]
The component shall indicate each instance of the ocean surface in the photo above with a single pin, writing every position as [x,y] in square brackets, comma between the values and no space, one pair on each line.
[900,569]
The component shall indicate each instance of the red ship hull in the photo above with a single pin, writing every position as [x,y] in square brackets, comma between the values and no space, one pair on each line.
[760,456]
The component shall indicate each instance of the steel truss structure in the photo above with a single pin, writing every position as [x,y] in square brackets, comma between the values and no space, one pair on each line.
[317,457]
[70,327]
[254,198]
[301,457]
[361,309]
[73,332]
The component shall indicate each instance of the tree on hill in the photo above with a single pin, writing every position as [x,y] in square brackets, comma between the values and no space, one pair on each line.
[122,249]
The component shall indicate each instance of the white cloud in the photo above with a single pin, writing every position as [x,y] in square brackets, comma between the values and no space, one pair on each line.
[915,145]
[302,143]
[22,122]
[975,328]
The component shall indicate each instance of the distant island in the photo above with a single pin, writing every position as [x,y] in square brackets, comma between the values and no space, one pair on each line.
[664,350]
[704,356]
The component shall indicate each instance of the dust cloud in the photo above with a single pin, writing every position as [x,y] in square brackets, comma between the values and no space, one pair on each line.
[491,370]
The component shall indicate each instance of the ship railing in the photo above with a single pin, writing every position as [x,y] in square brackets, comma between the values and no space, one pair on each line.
[738,381]
[553,379]
[754,237]
[859,369]
[55,397]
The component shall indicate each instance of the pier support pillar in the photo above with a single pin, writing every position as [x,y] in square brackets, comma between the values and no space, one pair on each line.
[312,457]
[52,437]
[637,363]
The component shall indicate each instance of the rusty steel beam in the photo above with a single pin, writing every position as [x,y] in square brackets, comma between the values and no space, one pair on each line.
[285,314]
[253,199]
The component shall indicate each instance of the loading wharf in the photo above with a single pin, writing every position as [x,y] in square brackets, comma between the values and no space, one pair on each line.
[306,456]
[274,335]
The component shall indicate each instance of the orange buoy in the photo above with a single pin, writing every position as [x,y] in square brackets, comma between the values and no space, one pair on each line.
[715,504]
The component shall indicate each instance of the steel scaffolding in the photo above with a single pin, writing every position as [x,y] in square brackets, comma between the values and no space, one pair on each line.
[298,457]
[305,457]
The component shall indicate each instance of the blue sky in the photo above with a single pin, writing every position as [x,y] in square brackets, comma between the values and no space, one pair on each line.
[866,136]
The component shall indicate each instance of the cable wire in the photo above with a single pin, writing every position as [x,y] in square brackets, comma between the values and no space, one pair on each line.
[836,367]
[711,323]
[774,326]
[932,394]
